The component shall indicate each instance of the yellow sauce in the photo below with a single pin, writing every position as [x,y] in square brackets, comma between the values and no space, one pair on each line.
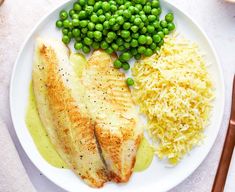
[144,156]
[39,134]
[145,152]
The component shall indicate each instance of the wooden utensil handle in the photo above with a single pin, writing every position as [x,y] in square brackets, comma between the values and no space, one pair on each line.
[225,159]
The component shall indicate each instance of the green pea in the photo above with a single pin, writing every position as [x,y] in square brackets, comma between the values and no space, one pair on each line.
[120,20]
[91,2]
[156,24]
[149,40]
[134,43]
[152,18]
[114,46]
[82,2]
[117,64]
[84,30]
[141,49]
[90,34]
[70,34]
[141,13]
[86,49]
[116,27]
[126,56]
[126,66]
[135,35]
[127,45]
[129,81]
[126,14]
[91,26]
[134,51]
[97,5]
[122,7]
[157,38]
[108,40]
[89,10]
[139,7]
[75,22]
[107,16]
[171,26]
[143,30]
[163,23]
[134,29]
[112,21]
[82,14]
[155,4]
[78,46]
[71,12]
[128,4]
[95,45]
[75,16]
[76,32]
[150,28]
[119,41]
[113,8]
[153,46]
[126,25]
[144,18]
[128,39]
[102,18]
[109,50]
[159,10]
[169,17]
[132,19]
[111,35]
[161,42]
[137,56]
[142,39]
[161,34]
[165,31]
[148,52]
[100,12]
[137,21]
[125,34]
[106,25]
[65,31]
[66,23]
[66,39]
[77,7]
[147,9]
[59,24]
[106,6]
[99,27]
[104,45]
[131,9]
[83,23]
[97,35]
[63,15]
[155,12]
[94,18]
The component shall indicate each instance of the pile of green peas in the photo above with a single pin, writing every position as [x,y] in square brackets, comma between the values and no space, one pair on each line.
[132,28]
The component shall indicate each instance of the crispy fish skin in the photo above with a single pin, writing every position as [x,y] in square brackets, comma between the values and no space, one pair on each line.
[111,106]
[61,105]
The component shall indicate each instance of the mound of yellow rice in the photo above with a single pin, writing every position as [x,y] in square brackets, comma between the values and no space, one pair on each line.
[174,91]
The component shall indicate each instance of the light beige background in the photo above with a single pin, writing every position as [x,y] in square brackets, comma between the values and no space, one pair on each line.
[217,18]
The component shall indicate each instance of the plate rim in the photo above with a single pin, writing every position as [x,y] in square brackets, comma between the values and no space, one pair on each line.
[220,71]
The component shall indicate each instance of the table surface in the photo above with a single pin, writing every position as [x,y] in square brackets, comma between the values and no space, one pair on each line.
[216,17]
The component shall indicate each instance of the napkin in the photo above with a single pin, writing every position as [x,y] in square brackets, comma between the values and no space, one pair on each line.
[13,177]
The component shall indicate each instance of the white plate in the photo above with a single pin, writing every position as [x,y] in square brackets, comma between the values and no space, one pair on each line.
[157,177]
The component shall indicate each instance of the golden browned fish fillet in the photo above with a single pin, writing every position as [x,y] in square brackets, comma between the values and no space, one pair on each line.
[63,112]
[111,106]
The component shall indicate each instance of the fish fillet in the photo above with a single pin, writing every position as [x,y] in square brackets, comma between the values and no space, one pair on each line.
[63,111]
[112,108]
